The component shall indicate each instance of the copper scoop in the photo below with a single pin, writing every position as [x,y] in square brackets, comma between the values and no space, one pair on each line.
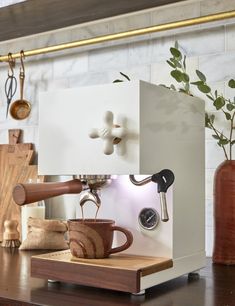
[20,109]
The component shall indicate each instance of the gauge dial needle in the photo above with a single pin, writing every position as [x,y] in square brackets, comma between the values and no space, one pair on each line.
[150,218]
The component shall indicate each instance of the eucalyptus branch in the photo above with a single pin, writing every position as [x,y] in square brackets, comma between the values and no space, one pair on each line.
[221,103]
[218,135]
[231,135]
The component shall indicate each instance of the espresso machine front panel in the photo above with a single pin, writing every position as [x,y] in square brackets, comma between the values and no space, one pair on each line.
[130,129]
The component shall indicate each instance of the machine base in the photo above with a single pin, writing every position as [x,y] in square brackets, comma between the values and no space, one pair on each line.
[118,272]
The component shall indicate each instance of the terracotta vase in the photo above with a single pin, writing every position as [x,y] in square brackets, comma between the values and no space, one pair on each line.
[224,213]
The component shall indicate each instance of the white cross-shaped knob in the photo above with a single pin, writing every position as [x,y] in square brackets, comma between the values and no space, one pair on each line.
[108,133]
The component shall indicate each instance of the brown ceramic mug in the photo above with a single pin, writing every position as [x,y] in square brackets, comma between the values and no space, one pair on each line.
[93,238]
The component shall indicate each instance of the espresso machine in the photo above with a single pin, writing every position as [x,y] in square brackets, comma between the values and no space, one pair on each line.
[135,152]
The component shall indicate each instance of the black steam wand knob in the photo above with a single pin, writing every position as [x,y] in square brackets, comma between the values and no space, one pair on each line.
[164,179]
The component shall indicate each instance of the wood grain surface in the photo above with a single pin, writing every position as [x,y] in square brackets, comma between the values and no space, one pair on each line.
[25,194]
[13,175]
[15,158]
[31,17]
[215,287]
[14,152]
[119,272]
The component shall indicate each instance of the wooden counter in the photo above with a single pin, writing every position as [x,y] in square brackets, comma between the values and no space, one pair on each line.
[215,287]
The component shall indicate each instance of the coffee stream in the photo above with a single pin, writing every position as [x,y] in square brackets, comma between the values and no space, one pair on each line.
[97,210]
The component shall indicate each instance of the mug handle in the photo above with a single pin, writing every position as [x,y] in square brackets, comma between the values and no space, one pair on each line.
[127,244]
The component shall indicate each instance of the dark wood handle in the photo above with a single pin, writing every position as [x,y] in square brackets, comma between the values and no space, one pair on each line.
[30,193]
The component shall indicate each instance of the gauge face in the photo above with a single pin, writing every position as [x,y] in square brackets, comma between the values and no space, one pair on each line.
[148,218]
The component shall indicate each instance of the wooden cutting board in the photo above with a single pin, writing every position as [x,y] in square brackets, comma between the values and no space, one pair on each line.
[9,210]
[15,153]
[15,159]
[14,142]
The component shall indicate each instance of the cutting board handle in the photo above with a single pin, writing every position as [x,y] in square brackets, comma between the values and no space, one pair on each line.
[30,193]
[14,136]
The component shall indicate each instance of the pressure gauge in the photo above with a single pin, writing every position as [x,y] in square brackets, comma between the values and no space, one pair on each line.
[148,218]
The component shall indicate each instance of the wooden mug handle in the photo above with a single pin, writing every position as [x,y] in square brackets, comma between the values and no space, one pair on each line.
[127,244]
[30,193]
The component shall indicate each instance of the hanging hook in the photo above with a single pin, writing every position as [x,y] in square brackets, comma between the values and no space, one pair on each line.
[11,62]
[22,69]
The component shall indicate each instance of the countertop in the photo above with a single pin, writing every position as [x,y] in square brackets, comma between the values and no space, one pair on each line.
[215,287]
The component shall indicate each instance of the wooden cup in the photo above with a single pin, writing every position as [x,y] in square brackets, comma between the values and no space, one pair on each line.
[93,238]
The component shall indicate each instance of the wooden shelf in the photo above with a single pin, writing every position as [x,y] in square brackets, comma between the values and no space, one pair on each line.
[32,17]
[118,272]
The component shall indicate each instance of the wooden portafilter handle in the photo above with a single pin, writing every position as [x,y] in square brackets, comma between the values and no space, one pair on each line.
[30,193]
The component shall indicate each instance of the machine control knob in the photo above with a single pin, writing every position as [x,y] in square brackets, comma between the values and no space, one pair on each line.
[110,133]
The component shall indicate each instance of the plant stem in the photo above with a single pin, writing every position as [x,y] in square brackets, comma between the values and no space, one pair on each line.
[216,132]
[230,137]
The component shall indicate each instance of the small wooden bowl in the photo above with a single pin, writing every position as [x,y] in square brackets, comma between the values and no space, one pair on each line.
[20,109]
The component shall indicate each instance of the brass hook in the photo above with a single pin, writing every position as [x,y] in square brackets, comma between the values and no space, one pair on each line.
[11,62]
[22,69]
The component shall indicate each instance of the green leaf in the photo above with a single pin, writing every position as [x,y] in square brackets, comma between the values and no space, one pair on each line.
[201,75]
[184,62]
[228,116]
[176,62]
[125,76]
[204,88]
[171,64]
[223,142]
[197,83]
[230,107]
[231,83]
[117,81]
[212,118]
[176,45]
[208,96]
[232,142]
[219,103]
[185,77]
[175,52]
[207,121]
[216,93]
[186,87]
[177,75]
[183,90]
[215,136]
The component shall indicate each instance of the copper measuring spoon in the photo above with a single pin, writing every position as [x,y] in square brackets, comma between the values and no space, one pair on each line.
[20,109]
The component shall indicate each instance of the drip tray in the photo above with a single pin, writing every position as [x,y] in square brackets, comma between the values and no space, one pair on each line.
[121,272]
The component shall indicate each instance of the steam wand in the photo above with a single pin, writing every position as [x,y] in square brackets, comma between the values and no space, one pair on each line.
[164,179]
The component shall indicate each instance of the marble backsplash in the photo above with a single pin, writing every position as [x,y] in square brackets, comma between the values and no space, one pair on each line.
[210,49]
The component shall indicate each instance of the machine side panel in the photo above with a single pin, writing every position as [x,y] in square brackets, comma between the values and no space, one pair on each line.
[173,136]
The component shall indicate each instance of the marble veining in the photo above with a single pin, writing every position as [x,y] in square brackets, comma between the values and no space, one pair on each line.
[218,67]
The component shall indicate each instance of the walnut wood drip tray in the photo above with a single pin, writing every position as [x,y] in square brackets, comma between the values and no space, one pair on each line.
[118,272]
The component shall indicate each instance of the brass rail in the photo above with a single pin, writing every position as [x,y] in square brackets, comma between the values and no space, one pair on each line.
[126,34]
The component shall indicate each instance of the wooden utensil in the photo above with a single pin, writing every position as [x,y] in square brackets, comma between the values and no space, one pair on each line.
[8,208]
[11,235]
[20,109]
[28,193]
